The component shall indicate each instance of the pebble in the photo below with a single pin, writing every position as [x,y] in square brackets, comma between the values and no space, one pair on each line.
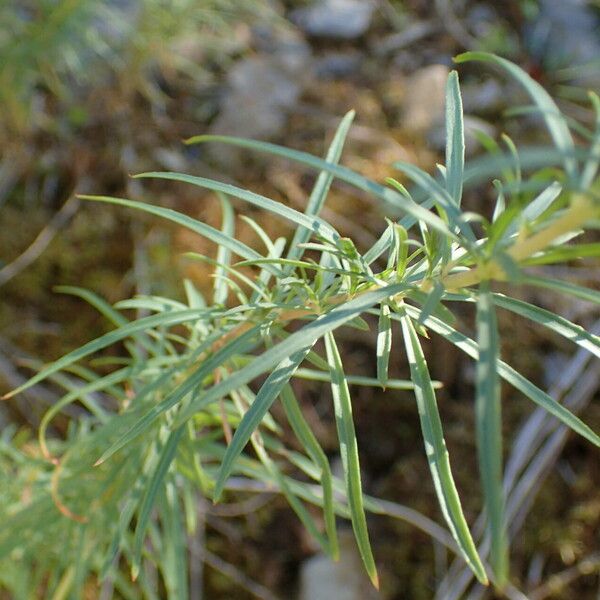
[338,65]
[335,19]
[425,98]
[323,579]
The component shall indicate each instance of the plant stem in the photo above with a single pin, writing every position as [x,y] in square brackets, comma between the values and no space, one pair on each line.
[581,210]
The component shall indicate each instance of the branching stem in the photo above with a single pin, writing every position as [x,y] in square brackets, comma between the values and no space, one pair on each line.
[581,210]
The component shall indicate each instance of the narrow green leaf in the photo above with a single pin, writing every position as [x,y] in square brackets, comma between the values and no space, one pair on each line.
[431,187]
[96,385]
[258,443]
[552,321]
[114,316]
[489,432]
[308,440]
[535,208]
[555,122]
[384,344]
[432,303]
[392,384]
[349,455]
[562,287]
[590,168]
[302,338]
[198,227]
[435,447]
[167,454]
[239,345]
[415,211]
[455,139]
[175,564]
[315,224]
[166,319]
[509,374]
[267,394]
[221,291]
[562,253]
[321,187]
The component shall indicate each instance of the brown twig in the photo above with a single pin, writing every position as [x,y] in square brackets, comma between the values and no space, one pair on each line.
[41,242]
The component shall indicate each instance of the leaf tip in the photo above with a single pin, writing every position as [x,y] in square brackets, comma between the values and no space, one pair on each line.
[374,577]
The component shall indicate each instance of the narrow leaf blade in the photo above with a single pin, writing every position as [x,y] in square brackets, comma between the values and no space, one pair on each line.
[489,432]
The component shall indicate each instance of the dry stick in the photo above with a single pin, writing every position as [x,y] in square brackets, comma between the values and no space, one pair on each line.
[453,25]
[233,573]
[384,507]
[557,582]
[41,242]
[239,509]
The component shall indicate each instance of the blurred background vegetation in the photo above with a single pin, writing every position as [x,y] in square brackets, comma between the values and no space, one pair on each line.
[92,91]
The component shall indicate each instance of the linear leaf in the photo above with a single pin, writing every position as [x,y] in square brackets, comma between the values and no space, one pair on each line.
[175,564]
[489,431]
[267,394]
[392,384]
[165,319]
[414,211]
[258,443]
[552,321]
[431,187]
[167,454]
[455,139]
[221,290]
[562,253]
[435,447]
[238,345]
[563,287]
[321,187]
[306,336]
[590,168]
[198,227]
[513,377]
[384,344]
[535,208]
[432,303]
[349,454]
[555,122]
[312,222]
[114,316]
[308,440]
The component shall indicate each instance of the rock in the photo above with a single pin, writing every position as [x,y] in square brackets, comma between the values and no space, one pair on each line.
[574,24]
[336,19]
[260,91]
[338,65]
[323,579]
[486,97]
[259,94]
[425,98]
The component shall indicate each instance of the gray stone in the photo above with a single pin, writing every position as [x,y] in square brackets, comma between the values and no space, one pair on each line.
[483,97]
[260,92]
[323,579]
[564,34]
[425,98]
[336,19]
[338,65]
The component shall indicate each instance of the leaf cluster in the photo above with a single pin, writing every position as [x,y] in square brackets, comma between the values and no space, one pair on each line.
[172,418]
